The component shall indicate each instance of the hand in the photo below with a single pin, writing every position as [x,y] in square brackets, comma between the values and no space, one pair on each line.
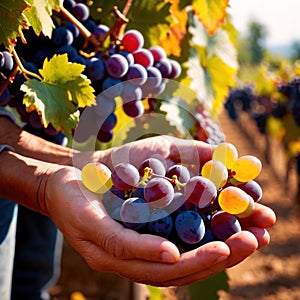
[109,247]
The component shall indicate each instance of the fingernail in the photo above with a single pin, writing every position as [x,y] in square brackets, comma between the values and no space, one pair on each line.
[220,259]
[168,257]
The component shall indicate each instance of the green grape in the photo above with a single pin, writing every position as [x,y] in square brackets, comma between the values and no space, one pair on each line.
[246,168]
[234,200]
[225,153]
[96,177]
[216,172]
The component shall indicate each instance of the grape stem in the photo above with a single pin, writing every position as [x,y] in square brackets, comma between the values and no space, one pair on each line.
[25,72]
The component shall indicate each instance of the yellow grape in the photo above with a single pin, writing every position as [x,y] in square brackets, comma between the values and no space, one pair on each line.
[246,168]
[216,172]
[225,153]
[234,200]
[249,209]
[96,177]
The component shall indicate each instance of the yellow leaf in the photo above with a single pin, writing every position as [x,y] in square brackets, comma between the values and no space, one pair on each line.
[177,31]
[211,13]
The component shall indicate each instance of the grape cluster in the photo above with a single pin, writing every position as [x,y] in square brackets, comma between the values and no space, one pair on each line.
[124,68]
[188,209]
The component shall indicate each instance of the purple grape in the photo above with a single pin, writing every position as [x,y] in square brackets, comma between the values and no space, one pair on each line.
[131,92]
[5,97]
[62,36]
[176,204]
[158,192]
[135,213]
[70,26]
[125,176]
[50,130]
[155,164]
[69,50]
[100,31]
[253,189]
[105,106]
[143,57]
[6,62]
[112,87]
[189,226]
[164,66]
[112,201]
[175,69]
[128,55]
[160,223]
[134,109]
[137,74]
[35,120]
[109,123]
[116,65]
[154,79]
[95,69]
[223,225]
[104,136]
[182,173]
[132,40]
[80,11]
[200,191]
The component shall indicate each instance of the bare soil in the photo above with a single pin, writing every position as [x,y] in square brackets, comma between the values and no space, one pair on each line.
[272,273]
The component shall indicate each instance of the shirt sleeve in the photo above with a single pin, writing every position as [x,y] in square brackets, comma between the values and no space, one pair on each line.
[6,113]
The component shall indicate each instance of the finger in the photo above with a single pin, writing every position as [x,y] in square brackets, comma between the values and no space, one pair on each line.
[261,234]
[190,151]
[262,216]
[241,245]
[160,274]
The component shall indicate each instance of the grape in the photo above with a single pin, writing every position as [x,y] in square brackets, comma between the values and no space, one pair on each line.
[181,172]
[95,69]
[109,123]
[50,130]
[62,36]
[158,53]
[137,74]
[59,139]
[5,97]
[160,223]
[112,87]
[252,188]
[200,191]
[135,213]
[35,120]
[80,11]
[208,237]
[6,62]
[128,55]
[100,31]
[234,200]
[125,176]
[176,204]
[246,168]
[69,50]
[131,92]
[154,79]
[134,109]
[132,40]
[164,66]
[225,153]
[104,136]
[70,26]
[155,164]
[216,172]
[112,201]
[158,192]
[223,225]
[96,177]
[175,69]
[105,106]
[189,226]
[116,65]
[143,57]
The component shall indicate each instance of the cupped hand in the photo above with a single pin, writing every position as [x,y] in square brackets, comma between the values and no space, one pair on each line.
[109,247]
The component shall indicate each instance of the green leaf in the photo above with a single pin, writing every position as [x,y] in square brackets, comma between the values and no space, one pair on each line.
[208,288]
[12,18]
[61,92]
[39,15]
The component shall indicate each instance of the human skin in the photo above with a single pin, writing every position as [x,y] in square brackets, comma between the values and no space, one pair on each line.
[44,177]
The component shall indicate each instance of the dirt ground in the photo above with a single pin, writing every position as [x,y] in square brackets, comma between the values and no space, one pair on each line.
[272,273]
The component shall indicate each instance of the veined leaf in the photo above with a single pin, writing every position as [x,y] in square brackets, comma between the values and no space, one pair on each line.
[39,15]
[12,18]
[61,92]
[211,13]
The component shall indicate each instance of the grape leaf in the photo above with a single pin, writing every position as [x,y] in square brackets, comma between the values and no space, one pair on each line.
[12,18]
[39,15]
[211,13]
[61,92]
